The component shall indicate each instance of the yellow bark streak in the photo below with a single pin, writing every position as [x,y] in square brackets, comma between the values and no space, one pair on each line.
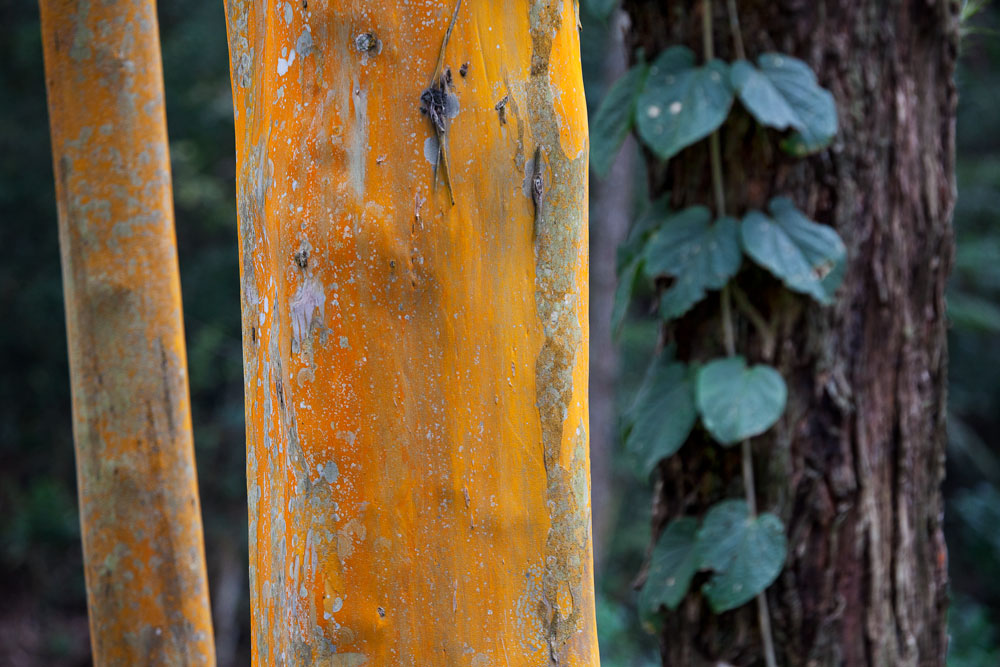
[416,372]
[141,524]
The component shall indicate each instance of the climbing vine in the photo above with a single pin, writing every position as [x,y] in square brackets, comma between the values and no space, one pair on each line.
[671,104]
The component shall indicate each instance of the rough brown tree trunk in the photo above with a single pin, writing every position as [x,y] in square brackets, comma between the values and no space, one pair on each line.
[854,466]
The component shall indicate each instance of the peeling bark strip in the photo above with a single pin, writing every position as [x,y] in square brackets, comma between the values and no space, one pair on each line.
[855,465]
[416,428]
[141,524]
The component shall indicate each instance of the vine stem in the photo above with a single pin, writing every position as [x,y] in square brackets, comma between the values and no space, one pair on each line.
[713,141]
[764,328]
[728,336]
[718,187]
[734,27]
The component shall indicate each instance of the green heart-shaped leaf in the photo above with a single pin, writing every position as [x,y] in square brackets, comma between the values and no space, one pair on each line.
[663,414]
[736,402]
[699,254]
[613,120]
[623,293]
[630,257]
[719,536]
[681,103]
[746,553]
[674,562]
[649,219]
[782,92]
[807,257]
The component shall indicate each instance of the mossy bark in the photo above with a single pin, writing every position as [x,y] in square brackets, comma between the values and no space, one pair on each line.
[855,465]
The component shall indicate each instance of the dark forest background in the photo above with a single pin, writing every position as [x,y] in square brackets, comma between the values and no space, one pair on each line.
[43,611]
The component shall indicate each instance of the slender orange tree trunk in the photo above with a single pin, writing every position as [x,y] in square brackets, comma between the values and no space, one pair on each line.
[142,541]
[416,369]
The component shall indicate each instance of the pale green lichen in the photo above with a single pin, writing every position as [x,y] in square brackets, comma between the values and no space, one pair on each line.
[559,232]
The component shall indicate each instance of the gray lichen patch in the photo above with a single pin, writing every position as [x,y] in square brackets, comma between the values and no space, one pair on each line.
[357,139]
[304,44]
[253,183]
[241,52]
[432,149]
[328,471]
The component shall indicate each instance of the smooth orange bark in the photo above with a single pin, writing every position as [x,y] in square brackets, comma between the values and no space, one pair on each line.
[416,371]
[142,540]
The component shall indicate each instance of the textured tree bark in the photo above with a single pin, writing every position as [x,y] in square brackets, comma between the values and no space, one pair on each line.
[854,466]
[141,524]
[416,369]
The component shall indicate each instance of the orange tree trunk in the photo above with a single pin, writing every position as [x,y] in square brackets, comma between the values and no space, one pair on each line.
[142,540]
[416,370]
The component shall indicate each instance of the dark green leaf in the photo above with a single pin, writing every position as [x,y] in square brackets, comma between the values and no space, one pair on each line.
[613,120]
[681,103]
[600,9]
[736,402]
[699,254]
[649,219]
[630,256]
[674,562]
[746,553]
[663,414]
[623,293]
[973,313]
[720,534]
[806,256]
[782,92]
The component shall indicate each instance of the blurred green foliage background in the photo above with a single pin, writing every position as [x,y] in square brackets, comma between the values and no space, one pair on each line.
[43,618]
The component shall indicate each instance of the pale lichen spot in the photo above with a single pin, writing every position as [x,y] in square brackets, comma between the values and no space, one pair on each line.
[284,64]
[675,108]
[328,471]
[304,44]
[347,436]
[431,149]
[308,298]
[653,111]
